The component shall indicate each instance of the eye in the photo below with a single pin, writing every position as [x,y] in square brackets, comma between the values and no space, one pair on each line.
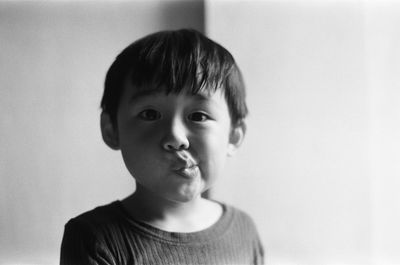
[198,116]
[149,115]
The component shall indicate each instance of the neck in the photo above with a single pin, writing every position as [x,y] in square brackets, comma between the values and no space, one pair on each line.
[151,206]
[173,216]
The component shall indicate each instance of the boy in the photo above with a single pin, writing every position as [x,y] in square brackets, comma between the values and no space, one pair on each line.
[174,104]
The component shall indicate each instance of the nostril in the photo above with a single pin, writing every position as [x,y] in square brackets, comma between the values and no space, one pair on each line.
[170,147]
[175,147]
[172,142]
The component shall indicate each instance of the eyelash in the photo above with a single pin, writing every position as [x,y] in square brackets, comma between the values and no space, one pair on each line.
[156,115]
[204,116]
[144,115]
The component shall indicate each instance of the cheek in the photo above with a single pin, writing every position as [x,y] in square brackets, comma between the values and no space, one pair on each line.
[138,139]
[138,149]
[214,152]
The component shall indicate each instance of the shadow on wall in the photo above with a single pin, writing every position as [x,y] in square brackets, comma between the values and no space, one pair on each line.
[177,13]
[54,164]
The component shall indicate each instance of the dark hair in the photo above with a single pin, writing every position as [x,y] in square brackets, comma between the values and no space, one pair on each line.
[176,60]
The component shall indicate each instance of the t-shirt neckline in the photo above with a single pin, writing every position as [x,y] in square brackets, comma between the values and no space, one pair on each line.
[214,231]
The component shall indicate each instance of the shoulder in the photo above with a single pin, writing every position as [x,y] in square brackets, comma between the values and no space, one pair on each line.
[88,235]
[236,211]
[243,230]
[238,215]
[239,221]
[95,221]
[99,214]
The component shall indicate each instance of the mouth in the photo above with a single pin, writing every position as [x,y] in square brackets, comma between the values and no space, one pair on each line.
[184,165]
[188,172]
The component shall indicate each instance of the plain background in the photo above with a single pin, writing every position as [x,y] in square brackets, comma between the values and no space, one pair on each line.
[322,151]
[319,170]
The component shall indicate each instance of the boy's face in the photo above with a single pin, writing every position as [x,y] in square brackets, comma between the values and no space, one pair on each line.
[175,145]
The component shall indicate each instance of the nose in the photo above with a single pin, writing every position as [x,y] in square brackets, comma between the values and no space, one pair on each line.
[175,137]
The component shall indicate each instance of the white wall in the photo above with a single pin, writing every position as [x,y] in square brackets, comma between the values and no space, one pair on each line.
[319,168]
[383,75]
[53,164]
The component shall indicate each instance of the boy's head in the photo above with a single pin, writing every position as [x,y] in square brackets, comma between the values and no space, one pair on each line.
[174,104]
[176,61]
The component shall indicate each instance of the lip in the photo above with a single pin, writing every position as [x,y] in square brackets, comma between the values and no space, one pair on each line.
[189,172]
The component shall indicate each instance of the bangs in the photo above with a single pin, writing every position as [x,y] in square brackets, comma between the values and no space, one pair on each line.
[178,62]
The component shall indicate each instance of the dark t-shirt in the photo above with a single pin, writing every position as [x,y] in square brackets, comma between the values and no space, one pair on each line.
[108,235]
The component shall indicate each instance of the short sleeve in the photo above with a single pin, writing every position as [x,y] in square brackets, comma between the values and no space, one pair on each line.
[81,245]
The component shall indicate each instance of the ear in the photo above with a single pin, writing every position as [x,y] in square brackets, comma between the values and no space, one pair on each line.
[108,131]
[236,137]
